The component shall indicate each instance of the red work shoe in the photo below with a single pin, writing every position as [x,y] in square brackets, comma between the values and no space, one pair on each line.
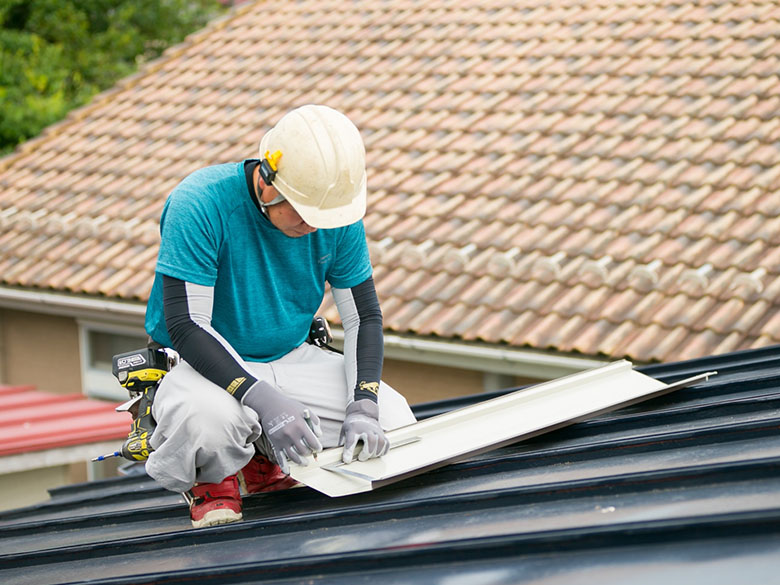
[215,503]
[262,475]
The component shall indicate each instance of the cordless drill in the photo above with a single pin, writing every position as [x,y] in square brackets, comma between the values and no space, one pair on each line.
[139,371]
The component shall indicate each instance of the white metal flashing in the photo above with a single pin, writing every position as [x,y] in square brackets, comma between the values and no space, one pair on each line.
[491,424]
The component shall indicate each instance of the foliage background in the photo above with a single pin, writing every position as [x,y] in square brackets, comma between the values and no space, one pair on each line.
[56,54]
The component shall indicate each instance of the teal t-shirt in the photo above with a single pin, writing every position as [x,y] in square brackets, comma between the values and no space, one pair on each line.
[267,286]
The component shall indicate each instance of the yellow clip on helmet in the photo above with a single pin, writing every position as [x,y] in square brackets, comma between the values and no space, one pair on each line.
[321,170]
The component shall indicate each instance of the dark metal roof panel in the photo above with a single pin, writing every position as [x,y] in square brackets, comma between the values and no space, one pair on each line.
[683,488]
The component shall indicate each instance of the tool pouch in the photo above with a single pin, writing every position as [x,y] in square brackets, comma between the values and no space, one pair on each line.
[319,332]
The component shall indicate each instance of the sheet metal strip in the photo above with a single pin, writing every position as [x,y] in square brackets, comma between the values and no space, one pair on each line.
[488,425]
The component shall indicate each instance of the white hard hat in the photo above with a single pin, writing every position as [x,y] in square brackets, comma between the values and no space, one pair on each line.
[315,158]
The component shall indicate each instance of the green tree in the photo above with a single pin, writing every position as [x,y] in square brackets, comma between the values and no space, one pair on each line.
[56,54]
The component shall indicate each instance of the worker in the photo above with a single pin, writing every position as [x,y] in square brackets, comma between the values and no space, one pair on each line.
[245,254]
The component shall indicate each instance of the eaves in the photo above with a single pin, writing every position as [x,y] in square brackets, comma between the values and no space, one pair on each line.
[441,352]
[69,305]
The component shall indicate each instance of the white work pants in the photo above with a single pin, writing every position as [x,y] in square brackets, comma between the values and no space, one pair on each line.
[203,434]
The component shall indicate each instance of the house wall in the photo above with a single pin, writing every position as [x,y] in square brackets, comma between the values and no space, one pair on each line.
[25,488]
[426,383]
[41,350]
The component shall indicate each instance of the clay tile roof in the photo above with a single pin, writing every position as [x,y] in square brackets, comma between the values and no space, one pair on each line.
[582,176]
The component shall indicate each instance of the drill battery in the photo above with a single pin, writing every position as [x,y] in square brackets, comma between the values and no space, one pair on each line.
[140,371]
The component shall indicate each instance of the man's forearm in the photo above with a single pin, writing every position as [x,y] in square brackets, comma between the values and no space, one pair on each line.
[187,309]
[361,317]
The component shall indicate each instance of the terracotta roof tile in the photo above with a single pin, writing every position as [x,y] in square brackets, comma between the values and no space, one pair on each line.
[592,177]
[613,339]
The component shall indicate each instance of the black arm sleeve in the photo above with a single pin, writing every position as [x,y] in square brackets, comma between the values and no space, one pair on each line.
[188,319]
[361,317]
[370,345]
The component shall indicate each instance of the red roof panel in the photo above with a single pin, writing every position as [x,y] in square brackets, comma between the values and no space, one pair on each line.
[32,420]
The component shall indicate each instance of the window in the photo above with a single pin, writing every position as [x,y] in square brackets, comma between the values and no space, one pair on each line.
[99,344]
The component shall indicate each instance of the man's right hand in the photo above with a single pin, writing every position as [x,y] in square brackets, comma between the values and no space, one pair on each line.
[289,426]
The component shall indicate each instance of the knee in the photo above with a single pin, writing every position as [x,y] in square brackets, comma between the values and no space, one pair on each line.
[208,423]
[216,418]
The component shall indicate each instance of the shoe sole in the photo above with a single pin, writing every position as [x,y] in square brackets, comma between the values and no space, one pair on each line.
[216,517]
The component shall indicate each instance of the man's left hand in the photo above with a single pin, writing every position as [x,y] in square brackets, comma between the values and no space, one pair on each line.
[362,424]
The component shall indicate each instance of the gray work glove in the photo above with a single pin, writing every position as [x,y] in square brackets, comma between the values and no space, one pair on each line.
[361,423]
[292,430]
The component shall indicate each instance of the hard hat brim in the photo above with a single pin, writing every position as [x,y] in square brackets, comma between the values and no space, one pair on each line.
[335,217]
